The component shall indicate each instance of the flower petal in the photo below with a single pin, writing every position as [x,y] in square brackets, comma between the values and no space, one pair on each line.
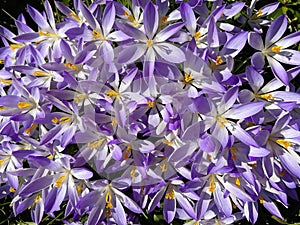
[278,70]
[150,19]
[276,30]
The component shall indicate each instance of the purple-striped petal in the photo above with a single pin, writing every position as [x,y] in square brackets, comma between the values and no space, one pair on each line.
[255,41]
[170,52]
[288,56]
[188,17]
[36,185]
[276,30]
[278,70]
[132,53]
[150,19]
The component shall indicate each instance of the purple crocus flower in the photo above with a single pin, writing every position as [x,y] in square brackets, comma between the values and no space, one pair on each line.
[275,49]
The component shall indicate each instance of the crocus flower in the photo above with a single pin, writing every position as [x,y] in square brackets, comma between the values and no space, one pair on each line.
[275,49]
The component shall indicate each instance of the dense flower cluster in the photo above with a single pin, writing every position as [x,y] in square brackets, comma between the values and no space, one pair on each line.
[117,111]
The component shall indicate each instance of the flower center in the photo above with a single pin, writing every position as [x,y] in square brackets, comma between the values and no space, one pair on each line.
[187,78]
[112,93]
[151,104]
[197,35]
[221,120]
[149,43]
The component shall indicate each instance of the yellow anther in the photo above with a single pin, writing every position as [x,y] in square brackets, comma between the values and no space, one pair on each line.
[187,78]
[5,82]
[95,144]
[261,200]
[127,152]
[131,18]
[276,49]
[114,122]
[50,157]
[112,93]
[283,143]
[79,97]
[2,108]
[149,43]
[39,73]
[97,35]
[133,172]
[55,120]
[170,194]
[237,181]
[79,189]
[12,190]
[212,185]
[108,199]
[164,19]
[71,66]
[219,60]
[64,119]
[15,46]
[164,166]
[196,223]
[24,105]
[2,161]
[233,149]
[259,13]
[151,104]
[32,127]
[60,181]
[267,96]
[75,16]
[1,61]
[126,13]
[197,35]
[46,34]
[37,199]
